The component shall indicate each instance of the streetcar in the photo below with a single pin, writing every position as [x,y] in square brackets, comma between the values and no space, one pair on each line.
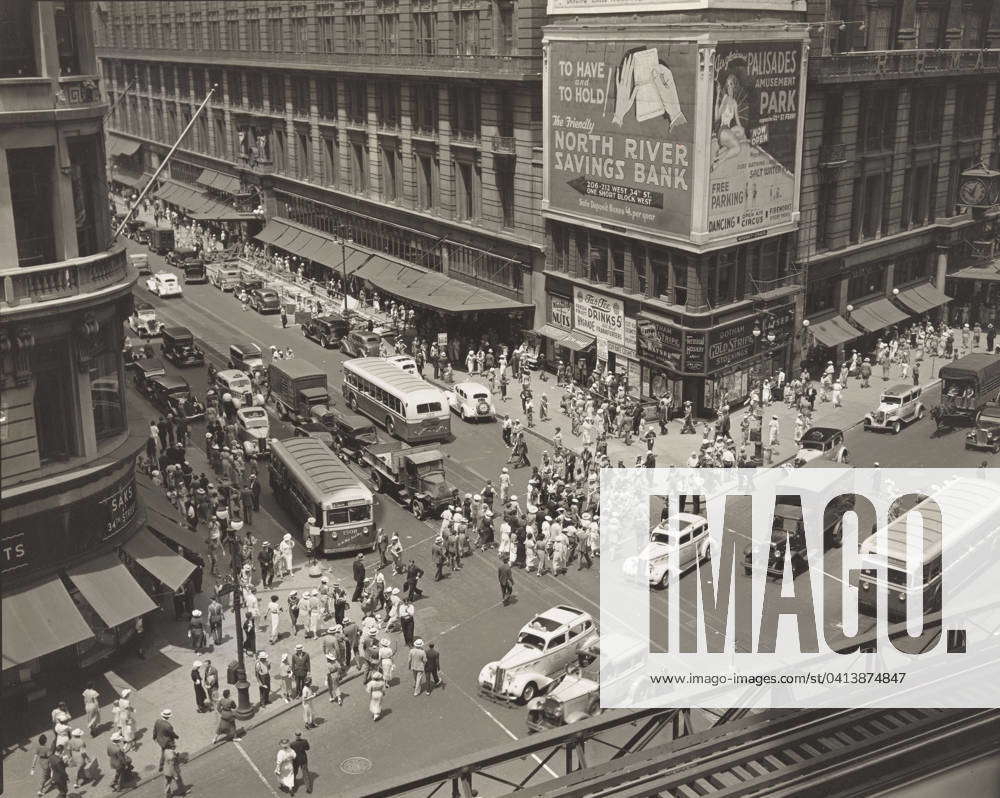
[972,507]
[408,407]
[309,480]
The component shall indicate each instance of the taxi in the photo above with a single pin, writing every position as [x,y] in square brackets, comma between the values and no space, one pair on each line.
[546,646]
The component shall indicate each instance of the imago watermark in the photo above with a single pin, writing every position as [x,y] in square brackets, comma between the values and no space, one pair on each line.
[810,587]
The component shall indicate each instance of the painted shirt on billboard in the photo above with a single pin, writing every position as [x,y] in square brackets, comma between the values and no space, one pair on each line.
[754,132]
[621,132]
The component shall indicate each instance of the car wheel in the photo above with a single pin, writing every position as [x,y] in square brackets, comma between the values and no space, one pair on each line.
[897,426]
[390,426]
[920,414]
[352,402]
[967,447]
[324,342]
[664,580]
[417,509]
[462,414]
[529,692]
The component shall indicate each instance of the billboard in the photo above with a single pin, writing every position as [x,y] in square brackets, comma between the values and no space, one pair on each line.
[757,99]
[599,315]
[621,132]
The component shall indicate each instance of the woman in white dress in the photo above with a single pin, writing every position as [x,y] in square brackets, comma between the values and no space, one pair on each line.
[284,767]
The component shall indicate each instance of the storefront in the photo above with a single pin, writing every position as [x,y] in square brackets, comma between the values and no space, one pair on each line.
[717,366]
[976,292]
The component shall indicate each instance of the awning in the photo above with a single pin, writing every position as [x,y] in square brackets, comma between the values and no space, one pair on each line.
[922,298]
[357,258]
[877,315]
[270,232]
[551,332]
[834,332]
[153,555]
[989,272]
[227,184]
[309,244]
[126,178]
[571,339]
[432,289]
[111,590]
[39,620]
[312,247]
[121,146]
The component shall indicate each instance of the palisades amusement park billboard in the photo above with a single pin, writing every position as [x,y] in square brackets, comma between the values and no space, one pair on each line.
[634,140]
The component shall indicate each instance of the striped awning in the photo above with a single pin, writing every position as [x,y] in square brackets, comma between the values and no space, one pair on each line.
[39,620]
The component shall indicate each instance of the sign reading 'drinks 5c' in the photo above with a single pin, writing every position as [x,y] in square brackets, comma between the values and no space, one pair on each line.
[811,587]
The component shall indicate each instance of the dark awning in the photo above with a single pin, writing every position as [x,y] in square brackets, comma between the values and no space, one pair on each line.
[877,315]
[990,271]
[357,258]
[551,332]
[39,620]
[153,555]
[227,184]
[431,289]
[571,339]
[122,146]
[126,178]
[922,298]
[833,332]
[270,232]
[111,590]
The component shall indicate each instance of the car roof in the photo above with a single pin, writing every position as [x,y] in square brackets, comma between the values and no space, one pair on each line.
[177,331]
[247,349]
[329,318]
[232,374]
[401,359]
[898,390]
[820,433]
[169,382]
[563,614]
[142,304]
[166,274]
[148,364]
[469,385]
[350,418]
[256,411]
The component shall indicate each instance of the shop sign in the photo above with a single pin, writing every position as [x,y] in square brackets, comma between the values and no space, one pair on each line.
[694,352]
[659,343]
[602,349]
[562,312]
[754,137]
[628,349]
[730,344]
[599,315]
[63,532]
[620,132]
[781,322]
[442,340]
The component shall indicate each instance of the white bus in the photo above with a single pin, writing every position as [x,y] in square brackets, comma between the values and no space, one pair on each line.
[407,406]
[310,480]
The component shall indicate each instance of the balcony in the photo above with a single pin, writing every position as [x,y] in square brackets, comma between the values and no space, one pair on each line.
[790,283]
[500,67]
[261,166]
[31,94]
[832,156]
[898,64]
[37,286]
[504,144]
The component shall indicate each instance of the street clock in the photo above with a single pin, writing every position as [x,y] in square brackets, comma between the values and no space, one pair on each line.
[979,187]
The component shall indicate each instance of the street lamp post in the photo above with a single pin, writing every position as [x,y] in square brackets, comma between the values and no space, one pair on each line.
[343,262]
[244,709]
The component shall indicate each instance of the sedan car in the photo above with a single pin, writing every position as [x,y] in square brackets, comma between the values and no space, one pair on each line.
[546,646]
[825,443]
[164,284]
[986,434]
[689,541]
[265,300]
[173,395]
[472,401]
[143,320]
[314,429]
[253,430]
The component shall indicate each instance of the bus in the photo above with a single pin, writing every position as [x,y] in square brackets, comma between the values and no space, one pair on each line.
[308,479]
[972,507]
[406,405]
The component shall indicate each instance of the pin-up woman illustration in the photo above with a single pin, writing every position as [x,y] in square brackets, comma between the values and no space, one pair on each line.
[730,109]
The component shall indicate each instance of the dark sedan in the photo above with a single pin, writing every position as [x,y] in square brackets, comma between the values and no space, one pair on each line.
[265,300]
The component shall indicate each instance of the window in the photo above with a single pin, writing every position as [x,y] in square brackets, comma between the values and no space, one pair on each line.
[66,38]
[359,167]
[303,156]
[30,173]
[214,31]
[877,129]
[276,85]
[975,22]
[425,108]
[86,183]
[327,89]
[253,31]
[970,110]
[466,195]
[867,212]
[255,90]
[659,271]
[300,31]
[918,195]
[556,641]
[911,268]
[505,114]
[220,137]
[327,28]
[598,259]
[197,31]
[930,27]
[726,283]
[926,103]
[392,172]
[154,32]
[106,394]
[617,264]
[232,31]
[426,180]
[826,199]
[387,94]
[467,33]
[275,30]
[300,96]
[865,281]
[388,33]
[505,27]
[425,33]
[183,81]
[679,263]
[280,150]
[357,101]
[880,27]
[331,160]
[465,112]
[54,405]
[821,295]
[355,23]
[505,190]
[639,284]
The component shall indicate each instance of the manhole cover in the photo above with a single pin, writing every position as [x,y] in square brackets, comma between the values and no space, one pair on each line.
[355,765]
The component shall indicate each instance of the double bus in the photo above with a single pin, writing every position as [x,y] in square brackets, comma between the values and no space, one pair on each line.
[972,507]
[406,405]
[308,479]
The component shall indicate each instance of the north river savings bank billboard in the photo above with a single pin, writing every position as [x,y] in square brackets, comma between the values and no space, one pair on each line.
[691,141]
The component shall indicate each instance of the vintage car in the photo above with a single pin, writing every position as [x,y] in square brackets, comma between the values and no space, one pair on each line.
[161,240]
[173,395]
[181,255]
[821,443]
[265,300]
[472,401]
[315,429]
[143,320]
[164,284]
[143,371]
[986,434]
[404,363]
[179,348]
[237,384]
[247,282]
[351,432]
[140,262]
[897,406]
[253,431]
[327,330]
[361,343]
[691,540]
[576,695]
[545,647]
[247,358]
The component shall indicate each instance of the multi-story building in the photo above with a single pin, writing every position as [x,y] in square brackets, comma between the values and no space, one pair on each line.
[410,128]
[67,443]
[903,97]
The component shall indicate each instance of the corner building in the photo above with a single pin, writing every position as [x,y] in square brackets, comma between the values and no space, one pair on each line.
[672,176]
[903,97]
[68,446]
[411,129]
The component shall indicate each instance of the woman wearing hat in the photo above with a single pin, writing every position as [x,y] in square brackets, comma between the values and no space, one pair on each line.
[200,697]
[376,689]
[284,767]
[308,692]
[92,707]
[79,758]
[287,678]
[385,654]
[126,719]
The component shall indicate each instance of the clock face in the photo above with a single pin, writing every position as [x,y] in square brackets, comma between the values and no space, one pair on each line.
[973,191]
